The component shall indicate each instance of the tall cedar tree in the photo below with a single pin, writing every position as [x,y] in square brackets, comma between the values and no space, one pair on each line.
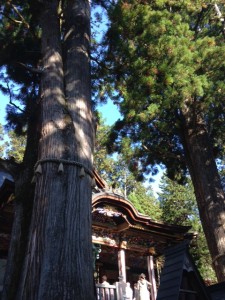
[55,262]
[20,41]
[166,62]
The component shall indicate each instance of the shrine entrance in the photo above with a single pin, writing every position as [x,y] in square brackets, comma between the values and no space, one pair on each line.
[108,264]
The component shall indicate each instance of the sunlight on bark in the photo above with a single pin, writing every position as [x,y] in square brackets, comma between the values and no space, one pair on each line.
[81,134]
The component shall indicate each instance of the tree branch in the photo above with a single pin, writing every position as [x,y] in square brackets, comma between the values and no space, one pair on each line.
[99,63]
[10,98]
[31,69]
[11,19]
[21,17]
[171,155]
[220,17]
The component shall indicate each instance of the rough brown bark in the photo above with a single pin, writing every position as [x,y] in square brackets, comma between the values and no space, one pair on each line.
[58,262]
[207,185]
[24,195]
[19,236]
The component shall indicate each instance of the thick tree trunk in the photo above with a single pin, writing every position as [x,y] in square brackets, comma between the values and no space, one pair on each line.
[58,261]
[207,185]
[19,236]
[24,195]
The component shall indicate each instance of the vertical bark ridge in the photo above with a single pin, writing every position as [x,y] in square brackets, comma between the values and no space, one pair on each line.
[208,189]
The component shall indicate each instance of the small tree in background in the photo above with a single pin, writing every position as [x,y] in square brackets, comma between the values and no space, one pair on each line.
[103,162]
[178,205]
[115,170]
[15,146]
[145,202]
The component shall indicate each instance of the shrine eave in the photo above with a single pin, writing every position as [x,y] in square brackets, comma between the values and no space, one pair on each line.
[136,220]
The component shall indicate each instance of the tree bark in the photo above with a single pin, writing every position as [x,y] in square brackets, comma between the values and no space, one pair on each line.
[207,185]
[58,262]
[19,236]
[24,195]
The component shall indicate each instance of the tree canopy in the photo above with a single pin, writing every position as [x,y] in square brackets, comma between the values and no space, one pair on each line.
[160,53]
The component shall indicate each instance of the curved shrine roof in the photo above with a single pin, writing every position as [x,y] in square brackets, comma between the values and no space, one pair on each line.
[115,218]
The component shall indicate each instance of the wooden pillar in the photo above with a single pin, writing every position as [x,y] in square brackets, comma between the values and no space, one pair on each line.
[151,275]
[122,263]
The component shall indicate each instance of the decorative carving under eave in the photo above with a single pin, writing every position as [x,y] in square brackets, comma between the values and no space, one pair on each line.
[125,241]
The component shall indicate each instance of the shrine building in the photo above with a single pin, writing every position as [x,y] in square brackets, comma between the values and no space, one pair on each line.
[125,242]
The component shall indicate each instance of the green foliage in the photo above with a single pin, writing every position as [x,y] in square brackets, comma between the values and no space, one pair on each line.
[103,163]
[15,146]
[159,55]
[19,57]
[145,202]
[178,205]
[1,141]
[200,253]
[12,145]
[113,168]
[117,174]
[122,178]
[178,202]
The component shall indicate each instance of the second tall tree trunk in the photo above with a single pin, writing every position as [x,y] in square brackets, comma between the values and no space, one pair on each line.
[207,185]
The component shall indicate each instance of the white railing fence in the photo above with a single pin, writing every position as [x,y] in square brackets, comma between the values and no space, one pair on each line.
[106,292]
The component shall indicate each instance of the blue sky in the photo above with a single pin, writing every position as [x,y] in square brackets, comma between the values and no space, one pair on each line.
[3,101]
[110,113]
